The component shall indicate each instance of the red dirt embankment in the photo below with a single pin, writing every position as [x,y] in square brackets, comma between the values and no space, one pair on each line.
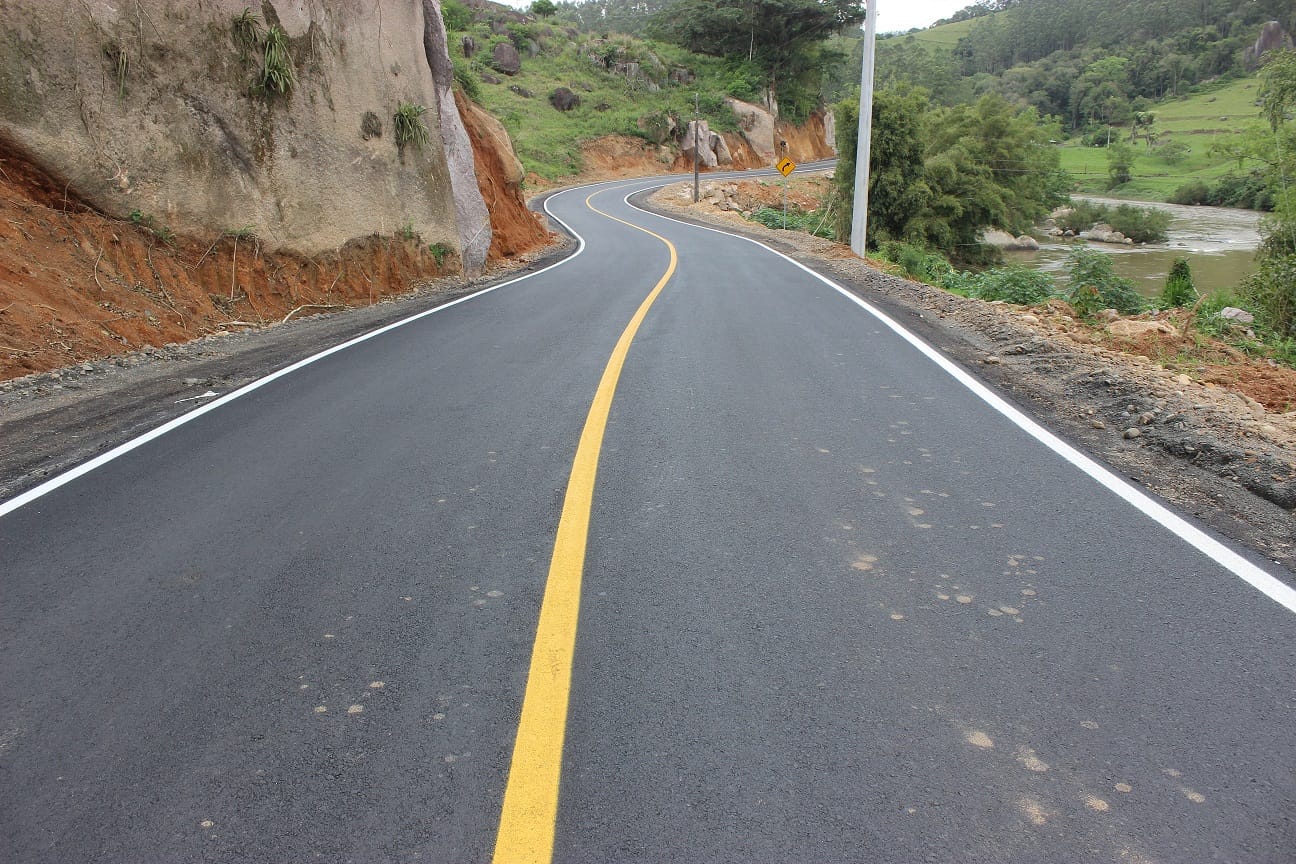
[76,285]
[515,229]
[613,157]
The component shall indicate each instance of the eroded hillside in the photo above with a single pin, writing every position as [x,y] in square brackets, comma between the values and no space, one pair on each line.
[149,195]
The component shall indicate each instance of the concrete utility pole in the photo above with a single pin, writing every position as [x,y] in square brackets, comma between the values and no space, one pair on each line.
[697,115]
[864,138]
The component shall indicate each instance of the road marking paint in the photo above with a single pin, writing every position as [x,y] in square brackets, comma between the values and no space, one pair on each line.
[530,811]
[1230,560]
[122,449]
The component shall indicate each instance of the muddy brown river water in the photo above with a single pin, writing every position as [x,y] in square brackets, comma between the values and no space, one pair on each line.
[1219,242]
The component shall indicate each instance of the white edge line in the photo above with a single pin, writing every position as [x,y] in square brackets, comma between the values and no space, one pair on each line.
[1261,580]
[120,450]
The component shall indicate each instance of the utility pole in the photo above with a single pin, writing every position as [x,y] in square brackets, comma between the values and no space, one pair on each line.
[697,115]
[864,137]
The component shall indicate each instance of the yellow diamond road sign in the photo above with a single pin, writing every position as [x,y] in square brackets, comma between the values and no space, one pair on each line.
[785,166]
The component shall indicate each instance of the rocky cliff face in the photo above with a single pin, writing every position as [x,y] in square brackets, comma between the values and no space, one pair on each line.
[1272,38]
[171,111]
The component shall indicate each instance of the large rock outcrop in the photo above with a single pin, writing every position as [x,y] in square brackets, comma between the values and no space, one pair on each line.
[472,220]
[1272,38]
[757,127]
[699,132]
[151,108]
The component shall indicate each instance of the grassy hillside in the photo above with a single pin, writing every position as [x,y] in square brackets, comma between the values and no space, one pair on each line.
[626,87]
[1213,109]
[944,36]
[1197,121]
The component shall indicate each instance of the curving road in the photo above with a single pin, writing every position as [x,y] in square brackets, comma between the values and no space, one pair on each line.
[805,591]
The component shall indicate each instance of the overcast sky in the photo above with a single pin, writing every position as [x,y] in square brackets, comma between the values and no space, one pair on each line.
[893,15]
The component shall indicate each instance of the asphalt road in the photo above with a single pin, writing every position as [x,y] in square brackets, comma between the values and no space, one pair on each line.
[834,605]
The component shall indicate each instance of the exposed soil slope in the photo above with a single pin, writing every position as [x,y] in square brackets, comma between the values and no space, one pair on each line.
[616,156]
[514,228]
[76,285]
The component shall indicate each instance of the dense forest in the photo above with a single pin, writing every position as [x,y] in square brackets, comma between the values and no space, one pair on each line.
[1085,61]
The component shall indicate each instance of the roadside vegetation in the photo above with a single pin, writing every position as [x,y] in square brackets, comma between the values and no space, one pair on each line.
[937,179]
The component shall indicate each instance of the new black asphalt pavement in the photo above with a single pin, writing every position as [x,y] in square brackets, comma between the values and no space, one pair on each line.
[835,606]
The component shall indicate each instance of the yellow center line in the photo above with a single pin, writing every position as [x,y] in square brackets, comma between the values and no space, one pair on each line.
[527,823]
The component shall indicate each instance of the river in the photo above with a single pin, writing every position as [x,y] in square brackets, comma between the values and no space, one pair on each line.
[1219,242]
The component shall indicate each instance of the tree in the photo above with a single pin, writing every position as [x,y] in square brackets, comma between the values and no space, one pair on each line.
[1142,124]
[898,192]
[939,176]
[1120,163]
[543,8]
[1013,146]
[776,34]
[1102,92]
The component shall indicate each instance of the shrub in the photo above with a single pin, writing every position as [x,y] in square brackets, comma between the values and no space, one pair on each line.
[1120,164]
[1195,192]
[961,282]
[521,34]
[1271,291]
[1013,284]
[655,127]
[1250,191]
[1179,290]
[1094,285]
[917,262]
[409,126]
[466,79]
[456,15]
[743,79]
[440,251]
[1140,224]
[1083,216]
[811,223]
[1173,152]
[1278,230]
[277,75]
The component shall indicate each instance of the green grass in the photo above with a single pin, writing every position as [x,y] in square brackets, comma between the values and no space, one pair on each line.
[548,141]
[1199,120]
[1213,109]
[946,35]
